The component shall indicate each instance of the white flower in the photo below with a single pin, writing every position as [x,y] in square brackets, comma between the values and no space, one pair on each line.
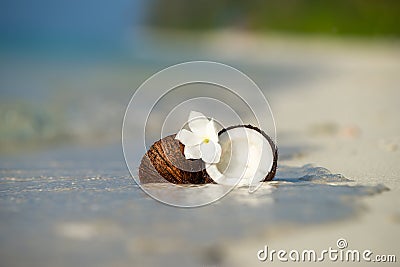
[202,141]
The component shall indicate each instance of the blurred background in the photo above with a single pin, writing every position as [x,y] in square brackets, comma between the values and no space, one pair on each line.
[68,68]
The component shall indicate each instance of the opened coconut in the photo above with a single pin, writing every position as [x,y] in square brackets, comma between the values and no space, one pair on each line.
[248,156]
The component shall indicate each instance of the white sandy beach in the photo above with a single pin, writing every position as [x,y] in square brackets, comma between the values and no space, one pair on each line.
[349,115]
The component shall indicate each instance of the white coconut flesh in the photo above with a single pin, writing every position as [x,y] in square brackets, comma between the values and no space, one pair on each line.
[246,158]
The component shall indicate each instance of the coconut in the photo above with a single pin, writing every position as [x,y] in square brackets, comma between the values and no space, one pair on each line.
[165,162]
[248,156]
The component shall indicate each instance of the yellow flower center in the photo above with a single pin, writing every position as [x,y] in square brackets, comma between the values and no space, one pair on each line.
[206,140]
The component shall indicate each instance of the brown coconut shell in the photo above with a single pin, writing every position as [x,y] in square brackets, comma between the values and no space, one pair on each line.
[165,162]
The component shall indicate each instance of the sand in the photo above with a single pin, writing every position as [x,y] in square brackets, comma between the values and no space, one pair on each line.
[348,117]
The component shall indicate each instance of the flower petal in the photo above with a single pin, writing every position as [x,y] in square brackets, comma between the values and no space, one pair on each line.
[218,151]
[213,172]
[192,152]
[211,131]
[188,138]
[198,123]
[210,152]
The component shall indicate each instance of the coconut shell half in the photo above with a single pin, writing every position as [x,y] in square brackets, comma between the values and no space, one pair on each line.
[165,162]
[271,174]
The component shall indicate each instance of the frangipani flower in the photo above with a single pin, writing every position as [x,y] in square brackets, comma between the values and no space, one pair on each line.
[202,141]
